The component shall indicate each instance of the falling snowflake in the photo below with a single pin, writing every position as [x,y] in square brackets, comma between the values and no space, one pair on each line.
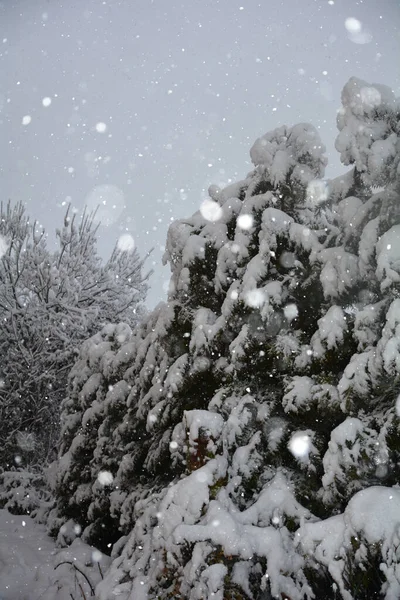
[245,221]
[26,120]
[300,445]
[353,25]
[255,298]
[101,127]
[287,260]
[108,201]
[105,478]
[355,31]
[291,312]
[210,210]
[126,243]
[46,101]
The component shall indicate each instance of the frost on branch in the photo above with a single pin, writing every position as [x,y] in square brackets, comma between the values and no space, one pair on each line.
[50,302]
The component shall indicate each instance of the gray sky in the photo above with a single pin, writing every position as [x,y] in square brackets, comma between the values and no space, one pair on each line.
[182,90]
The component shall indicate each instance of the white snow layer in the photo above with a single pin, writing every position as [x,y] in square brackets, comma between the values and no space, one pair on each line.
[368,136]
[33,568]
[371,517]
[281,153]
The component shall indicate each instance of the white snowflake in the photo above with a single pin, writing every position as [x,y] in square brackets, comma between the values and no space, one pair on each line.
[101,127]
[210,210]
[245,221]
[105,478]
[126,243]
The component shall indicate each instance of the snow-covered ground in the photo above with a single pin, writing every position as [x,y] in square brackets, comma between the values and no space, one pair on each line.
[26,558]
[30,563]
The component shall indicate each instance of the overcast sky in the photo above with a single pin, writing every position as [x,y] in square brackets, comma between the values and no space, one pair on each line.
[142,104]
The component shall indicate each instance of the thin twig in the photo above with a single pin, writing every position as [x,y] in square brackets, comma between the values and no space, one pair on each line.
[82,592]
[67,562]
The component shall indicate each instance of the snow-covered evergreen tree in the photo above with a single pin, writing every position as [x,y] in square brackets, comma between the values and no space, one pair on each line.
[245,438]
[49,303]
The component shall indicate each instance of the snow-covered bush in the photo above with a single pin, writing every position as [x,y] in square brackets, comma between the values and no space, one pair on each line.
[94,407]
[23,493]
[369,126]
[49,303]
[359,548]
[232,434]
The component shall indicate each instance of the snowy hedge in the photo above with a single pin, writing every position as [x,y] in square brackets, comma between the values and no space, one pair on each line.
[245,437]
